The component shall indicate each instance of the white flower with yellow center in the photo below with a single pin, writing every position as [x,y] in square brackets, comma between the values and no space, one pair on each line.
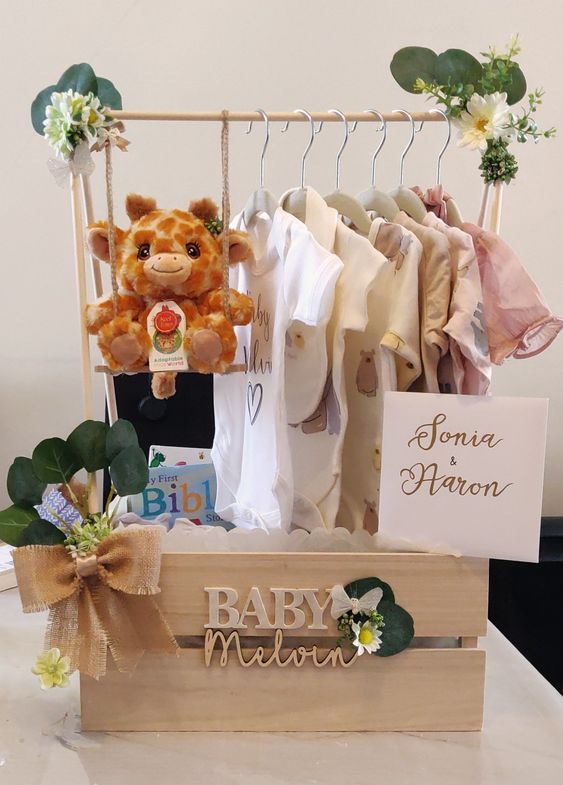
[366,637]
[486,117]
[52,669]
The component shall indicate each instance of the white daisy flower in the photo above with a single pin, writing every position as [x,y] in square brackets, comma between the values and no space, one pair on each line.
[486,117]
[366,637]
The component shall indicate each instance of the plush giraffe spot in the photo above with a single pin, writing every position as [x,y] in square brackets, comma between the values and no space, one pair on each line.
[166,225]
[144,236]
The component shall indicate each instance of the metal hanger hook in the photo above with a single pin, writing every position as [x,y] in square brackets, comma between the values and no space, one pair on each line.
[446,143]
[266,141]
[383,128]
[314,131]
[348,129]
[409,143]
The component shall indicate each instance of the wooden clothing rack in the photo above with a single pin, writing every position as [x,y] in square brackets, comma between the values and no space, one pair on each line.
[83,215]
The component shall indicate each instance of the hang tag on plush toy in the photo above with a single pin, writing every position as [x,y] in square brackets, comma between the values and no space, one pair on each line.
[166,325]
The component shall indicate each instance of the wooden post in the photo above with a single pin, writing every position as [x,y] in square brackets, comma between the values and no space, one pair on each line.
[484,204]
[109,384]
[84,341]
[497,207]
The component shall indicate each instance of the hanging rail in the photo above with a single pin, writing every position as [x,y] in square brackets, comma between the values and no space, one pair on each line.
[292,117]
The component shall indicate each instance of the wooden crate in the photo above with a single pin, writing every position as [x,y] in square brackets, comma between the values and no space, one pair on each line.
[434,685]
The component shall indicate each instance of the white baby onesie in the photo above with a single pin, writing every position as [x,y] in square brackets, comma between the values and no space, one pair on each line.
[291,277]
[316,442]
[386,356]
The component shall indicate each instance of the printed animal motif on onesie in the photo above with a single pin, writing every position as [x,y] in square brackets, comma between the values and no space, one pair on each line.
[393,243]
[480,330]
[371,521]
[294,341]
[366,375]
[327,414]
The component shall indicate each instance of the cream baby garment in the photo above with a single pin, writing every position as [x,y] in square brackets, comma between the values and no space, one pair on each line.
[386,356]
[291,277]
[466,328]
[316,441]
[434,291]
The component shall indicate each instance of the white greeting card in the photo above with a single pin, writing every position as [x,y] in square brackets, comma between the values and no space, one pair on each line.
[464,473]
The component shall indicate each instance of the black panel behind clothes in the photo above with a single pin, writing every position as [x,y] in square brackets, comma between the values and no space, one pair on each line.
[525,602]
[187,419]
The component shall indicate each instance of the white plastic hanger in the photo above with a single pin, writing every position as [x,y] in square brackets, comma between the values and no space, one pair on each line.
[262,200]
[295,201]
[348,206]
[372,198]
[452,210]
[406,199]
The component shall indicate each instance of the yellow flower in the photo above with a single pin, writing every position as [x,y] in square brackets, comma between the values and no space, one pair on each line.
[52,669]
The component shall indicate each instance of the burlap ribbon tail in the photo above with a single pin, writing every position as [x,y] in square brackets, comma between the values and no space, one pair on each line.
[104,600]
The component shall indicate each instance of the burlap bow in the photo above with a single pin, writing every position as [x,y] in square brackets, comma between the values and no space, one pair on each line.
[98,601]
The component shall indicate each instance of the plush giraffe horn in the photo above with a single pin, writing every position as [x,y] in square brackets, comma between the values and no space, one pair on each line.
[136,206]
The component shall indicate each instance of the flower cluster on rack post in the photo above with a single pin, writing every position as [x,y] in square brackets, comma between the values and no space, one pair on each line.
[369,619]
[74,116]
[478,97]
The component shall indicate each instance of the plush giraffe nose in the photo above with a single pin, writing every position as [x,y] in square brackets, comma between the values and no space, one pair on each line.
[171,268]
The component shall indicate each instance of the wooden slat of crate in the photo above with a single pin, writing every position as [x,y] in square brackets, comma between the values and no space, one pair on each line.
[446,596]
[417,690]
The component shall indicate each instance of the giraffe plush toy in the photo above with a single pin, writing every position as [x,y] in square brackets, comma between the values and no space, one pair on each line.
[168,255]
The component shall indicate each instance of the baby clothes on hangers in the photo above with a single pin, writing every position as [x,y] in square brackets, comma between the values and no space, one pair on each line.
[466,328]
[519,321]
[386,356]
[316,442]
[291,277]
[434,292]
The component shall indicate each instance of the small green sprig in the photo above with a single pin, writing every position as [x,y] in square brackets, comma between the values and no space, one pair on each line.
[525,126]
[214,225]
[86,535]
[497,163]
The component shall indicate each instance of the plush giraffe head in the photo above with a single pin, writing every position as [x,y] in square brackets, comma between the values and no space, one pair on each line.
[168,253]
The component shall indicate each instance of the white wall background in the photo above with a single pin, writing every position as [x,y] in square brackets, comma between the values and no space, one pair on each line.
[181,55]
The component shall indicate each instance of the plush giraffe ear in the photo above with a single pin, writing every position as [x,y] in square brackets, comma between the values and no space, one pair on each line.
[136,206]
[98,242]
[240,249]
[205,209]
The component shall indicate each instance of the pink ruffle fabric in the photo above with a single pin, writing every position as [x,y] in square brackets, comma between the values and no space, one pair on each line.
[435,200]
[519,321]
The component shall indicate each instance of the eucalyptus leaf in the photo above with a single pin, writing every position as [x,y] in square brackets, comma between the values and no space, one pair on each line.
[129,471]
[13,520]
[412,63]
[88,442]
[361,587]
[40,532]
[398,631]
[121,435]
[24,487]
[516,90]
[55,461]
[108,94]
[456,66]
[38,107]
[80,78]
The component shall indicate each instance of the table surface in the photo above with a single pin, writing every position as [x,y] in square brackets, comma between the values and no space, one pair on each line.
[40,741]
